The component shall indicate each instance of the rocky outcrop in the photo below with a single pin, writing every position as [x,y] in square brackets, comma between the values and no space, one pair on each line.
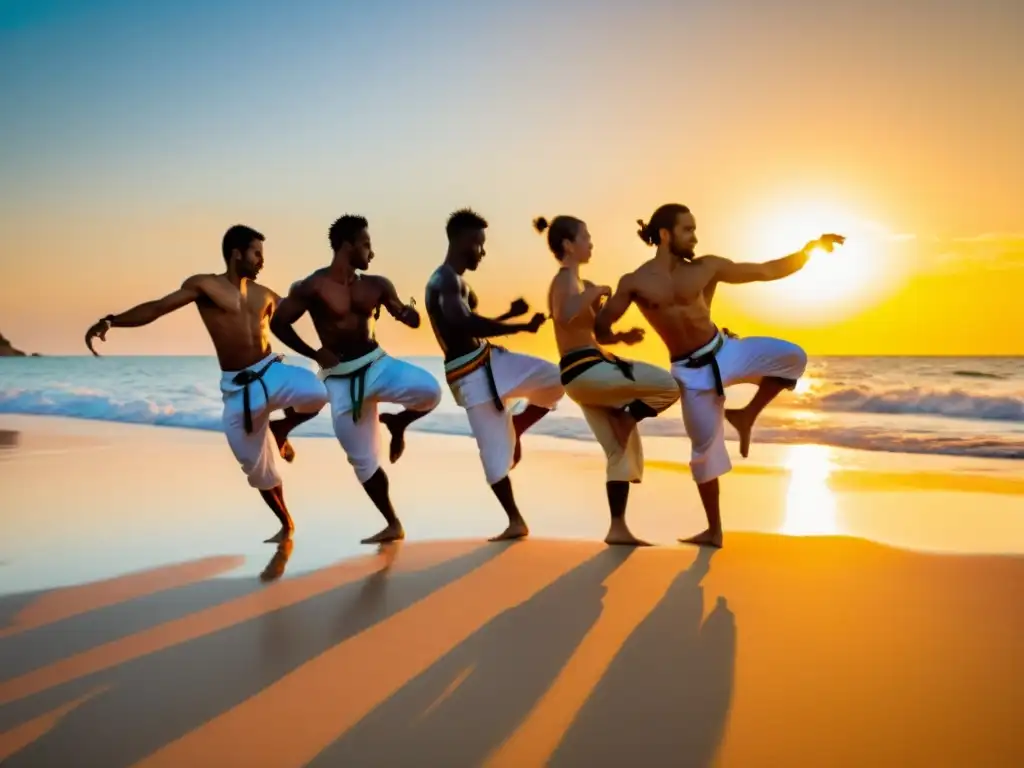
[7,350]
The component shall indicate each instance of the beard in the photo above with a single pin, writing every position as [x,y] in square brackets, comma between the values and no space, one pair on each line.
[680,252]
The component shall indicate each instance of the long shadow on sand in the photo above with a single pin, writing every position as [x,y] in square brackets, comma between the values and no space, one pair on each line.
[665,699]
[469,701]
[160,697]
[466,705]
[51,642]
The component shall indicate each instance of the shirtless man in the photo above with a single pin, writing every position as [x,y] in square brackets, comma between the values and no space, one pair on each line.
[614,394]
[254,381]
[673,291]
[484,379]
[357,372]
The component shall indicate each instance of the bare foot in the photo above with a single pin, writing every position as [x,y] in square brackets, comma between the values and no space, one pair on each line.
[516,530]
[619,533]
[743,425]
[283,535]
[397,430]
[275,568]
[281,437]
[705,539]
[393,532]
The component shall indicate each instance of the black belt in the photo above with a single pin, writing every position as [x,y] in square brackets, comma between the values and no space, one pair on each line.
[702,361]
[575,363]
[356,387]
[245,378]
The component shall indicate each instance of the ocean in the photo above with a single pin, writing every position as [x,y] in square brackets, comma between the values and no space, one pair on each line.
[949,405]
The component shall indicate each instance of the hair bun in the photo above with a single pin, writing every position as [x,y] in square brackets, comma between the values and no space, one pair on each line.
[540,224]
[642,232]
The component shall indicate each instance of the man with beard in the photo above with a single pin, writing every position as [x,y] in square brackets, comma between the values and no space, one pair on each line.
[673,291]
[485,378]
[254,381]
[357,372]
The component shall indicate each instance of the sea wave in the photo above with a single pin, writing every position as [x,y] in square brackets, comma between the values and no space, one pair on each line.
[951,403]
[192,410]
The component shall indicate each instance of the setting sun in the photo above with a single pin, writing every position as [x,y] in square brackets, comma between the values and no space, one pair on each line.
[833,285]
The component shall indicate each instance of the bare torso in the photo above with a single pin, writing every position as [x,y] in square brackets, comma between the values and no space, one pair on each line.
[343,313]
[578,332]
[676,302]
[237,319]
[446,285]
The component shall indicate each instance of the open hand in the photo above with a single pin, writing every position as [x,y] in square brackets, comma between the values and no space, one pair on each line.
[99,330]
[519,308]
[826,242]
[632,336]
[326,359]
[536,322]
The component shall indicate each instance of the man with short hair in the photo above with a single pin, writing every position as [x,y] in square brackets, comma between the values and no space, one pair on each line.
[236,311]
[485,378]
[358,374]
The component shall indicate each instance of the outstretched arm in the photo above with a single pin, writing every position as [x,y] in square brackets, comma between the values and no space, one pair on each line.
[289,310]
[737,273]
[612,312]
[147,312]
[457,314]
[727,271]
[403,313]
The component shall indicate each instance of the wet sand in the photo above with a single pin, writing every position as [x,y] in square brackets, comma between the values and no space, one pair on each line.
[143,622]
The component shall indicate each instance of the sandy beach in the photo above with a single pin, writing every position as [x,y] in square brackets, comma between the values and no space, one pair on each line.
[865,609]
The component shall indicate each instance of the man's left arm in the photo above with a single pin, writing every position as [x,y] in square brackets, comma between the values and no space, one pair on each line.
[403,313]
[739,272]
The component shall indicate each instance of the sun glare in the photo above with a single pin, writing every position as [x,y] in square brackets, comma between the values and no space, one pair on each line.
[811,508]
[832,285]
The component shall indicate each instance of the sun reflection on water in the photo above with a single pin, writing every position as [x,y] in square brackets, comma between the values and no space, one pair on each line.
[811,508]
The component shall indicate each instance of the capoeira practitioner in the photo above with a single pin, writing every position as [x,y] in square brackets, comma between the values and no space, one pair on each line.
[614,394]
[357,372]
[484,378]
[254,380]
[673,291]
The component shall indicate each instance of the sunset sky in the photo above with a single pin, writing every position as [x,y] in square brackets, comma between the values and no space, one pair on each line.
[132,135]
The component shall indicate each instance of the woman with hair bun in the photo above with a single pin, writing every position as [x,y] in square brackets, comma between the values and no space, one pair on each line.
[614,394]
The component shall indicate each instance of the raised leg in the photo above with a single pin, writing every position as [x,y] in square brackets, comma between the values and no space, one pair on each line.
[522,422]
[281,428]
[742,419]
[397,423]
[413,388]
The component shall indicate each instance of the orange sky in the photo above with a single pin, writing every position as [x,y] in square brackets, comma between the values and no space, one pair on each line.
[135,141]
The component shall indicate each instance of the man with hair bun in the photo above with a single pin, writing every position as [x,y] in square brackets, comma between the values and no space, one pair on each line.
[673,291]
[614,394]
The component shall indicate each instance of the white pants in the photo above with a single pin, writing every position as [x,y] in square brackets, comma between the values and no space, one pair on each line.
[287,386]
[517,377]
[741,361]
[602,391]
[387,381]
